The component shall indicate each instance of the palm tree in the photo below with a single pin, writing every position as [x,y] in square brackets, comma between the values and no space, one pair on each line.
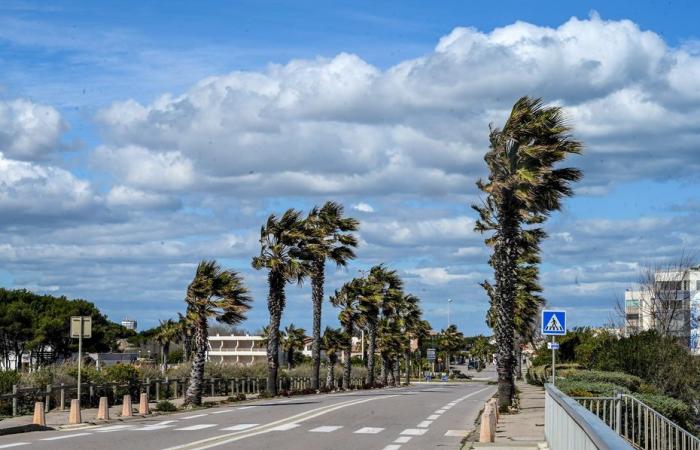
[167,333]
[450,341]
[412,327]
[292,341]
[390,292]
[369,303]
[329,237]
[347,298]
[281,254]
[333,341]
[213,293]
[523,188]
[184,323]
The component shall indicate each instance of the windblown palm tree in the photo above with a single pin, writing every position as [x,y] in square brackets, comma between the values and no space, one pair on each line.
[412,326]
[167,333]
[450,341]
[185,324]
[333,341]
[347,298]
[281,254]
[329,237]
[292,341]
[213,293]
[390,288]
[523,188]
[369,305]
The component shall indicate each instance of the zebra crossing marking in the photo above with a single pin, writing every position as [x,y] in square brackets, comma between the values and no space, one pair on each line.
[369,430]
[414,431]
[425,424]
[402,439]
[457,433]
[200,426]
[240,427]
[326,429]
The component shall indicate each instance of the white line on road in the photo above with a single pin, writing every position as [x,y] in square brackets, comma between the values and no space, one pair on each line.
[55,438]
[224,411]
[285,427]
[402,439]
[456,433]
[369,430]
[240,427]
[201,426]
[112,428]
[433,416]
[246,407]
[16,444]
[414,431]
[392,447]
[153,427]
[326,429]
[193,417]
[440,411]
[425,424]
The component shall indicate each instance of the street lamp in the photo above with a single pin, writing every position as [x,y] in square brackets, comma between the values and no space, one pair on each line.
[449,301]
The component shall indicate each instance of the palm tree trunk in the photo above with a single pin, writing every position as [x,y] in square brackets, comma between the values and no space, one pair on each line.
[372,332]
[407,359]
[347,369]
[397,370]
[193,396]
[504,262]
[275,304]
[384,374]
[317,281]
[330,376]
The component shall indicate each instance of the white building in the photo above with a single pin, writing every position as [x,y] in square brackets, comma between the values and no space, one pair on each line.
[237,349]
[129,324]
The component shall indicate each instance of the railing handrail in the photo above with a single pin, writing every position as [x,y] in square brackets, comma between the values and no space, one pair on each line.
[602,436]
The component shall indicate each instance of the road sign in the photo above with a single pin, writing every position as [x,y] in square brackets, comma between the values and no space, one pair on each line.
[431,354]
[83,330]
[553,345]
[553,323]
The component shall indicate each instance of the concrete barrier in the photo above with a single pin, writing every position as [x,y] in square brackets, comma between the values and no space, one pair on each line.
[487,431]
[74,417]
[39,414]
[103,409]
[143,404]
[126,406]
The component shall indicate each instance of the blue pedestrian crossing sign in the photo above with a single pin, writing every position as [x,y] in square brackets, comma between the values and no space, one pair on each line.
[553,323]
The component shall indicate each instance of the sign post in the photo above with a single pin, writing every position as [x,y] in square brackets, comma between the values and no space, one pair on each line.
[431,357]
[553,324]
[80,327]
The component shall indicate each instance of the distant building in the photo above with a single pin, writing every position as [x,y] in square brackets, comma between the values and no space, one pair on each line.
[129,324]
[103,360]
[237,349]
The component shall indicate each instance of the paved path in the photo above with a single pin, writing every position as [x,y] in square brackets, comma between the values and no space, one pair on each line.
[417,417]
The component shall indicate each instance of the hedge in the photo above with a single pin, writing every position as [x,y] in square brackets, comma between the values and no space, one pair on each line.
[539,375]
[631,382]
[675,410]
[580,388]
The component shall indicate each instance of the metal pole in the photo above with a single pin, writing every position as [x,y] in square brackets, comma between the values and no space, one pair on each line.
[362,344]
[553,360]
[80,352]
[449,302]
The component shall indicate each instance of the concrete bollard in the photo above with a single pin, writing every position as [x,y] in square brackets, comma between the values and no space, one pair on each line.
[74,417]
[487,431]
[143,404]
[39,414]
[103,409]
[126,406]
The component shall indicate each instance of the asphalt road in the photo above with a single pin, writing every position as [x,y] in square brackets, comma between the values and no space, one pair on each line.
[421,416]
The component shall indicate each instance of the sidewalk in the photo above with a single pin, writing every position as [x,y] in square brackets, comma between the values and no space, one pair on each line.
[524,430]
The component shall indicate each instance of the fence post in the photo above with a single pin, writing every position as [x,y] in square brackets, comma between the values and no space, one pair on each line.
[48,398]
[213,386]
[14,400]
[158,389]
[63,397]
[618,413]
[175,388]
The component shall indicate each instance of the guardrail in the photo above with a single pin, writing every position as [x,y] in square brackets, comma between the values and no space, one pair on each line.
[639,423]
[570,426]
[59,395]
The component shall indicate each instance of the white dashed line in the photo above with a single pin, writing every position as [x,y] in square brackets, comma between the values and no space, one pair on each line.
[402,439]
[246,407]
[456,433]
[224,411]
[434,417]
[392,447]
[425,424]
[16,444]
[153,427]
[285,427]
[240,427]
[326,429]
[201,426]
[193,417]
[369,430]
[414,431]
[67,436]
[440,411]
[113,428]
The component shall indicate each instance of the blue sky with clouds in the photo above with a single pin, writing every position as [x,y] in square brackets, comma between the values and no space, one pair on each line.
[140,137]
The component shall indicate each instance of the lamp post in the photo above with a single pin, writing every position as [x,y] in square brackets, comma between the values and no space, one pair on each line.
[449,302]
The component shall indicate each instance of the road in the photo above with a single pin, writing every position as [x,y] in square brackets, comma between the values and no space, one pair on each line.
[421,416]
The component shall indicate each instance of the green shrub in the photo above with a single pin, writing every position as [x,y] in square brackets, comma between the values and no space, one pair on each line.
[578,388]
[165,406]
[539,375]
[630,382]
[675,410]
[7,379]
[121,373]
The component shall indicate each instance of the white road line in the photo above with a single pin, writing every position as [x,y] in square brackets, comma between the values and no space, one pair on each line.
[245,407]
[240,427]
[224,411]
[456,433]
[433,416]
[402,439]
[16,444]
[164,422]
[201,426]
[440,411]
[67,436]
[153,427]
[113,428]
[425,424]
[193,417]
[414,431]
[326,429]
[369,430]
[285,427]
[392,447]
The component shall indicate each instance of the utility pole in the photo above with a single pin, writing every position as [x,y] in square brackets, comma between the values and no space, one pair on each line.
[449,302]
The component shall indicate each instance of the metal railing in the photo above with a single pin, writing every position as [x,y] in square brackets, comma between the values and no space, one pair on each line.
[641,425]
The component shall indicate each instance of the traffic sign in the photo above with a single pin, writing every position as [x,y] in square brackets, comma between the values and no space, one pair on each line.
[431,354]
[553,323]
[81,326]
[553,345]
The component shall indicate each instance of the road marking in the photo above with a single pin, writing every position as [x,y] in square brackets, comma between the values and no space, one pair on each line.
[457,433]
[326,429]
[193,417]
[240,427]
[392,447]
[224,411]
[425,424]
[434,417]
[402,439]
[16,444]
[68,436]
[113,428]
[285,427]
[369,430]
[440,411]
[153,427]
[201,426]
[414,431]
[245,407]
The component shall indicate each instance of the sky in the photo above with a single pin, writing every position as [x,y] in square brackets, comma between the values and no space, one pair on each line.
[138,138]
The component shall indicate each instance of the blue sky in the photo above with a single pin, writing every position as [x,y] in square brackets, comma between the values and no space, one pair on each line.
[139,137]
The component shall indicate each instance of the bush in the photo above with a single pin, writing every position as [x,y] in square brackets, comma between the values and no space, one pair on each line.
[578,388]
[121,373]
[7,379]
[165,406]
[630,382]
[539,375]
[673,409]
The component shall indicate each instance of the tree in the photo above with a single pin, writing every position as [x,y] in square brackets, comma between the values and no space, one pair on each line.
[217,294]
[450,341]
[329,237]
[333,341]
[184,321]
[167,333]
[282,256]
[347,298]
[523,188]
[293,340]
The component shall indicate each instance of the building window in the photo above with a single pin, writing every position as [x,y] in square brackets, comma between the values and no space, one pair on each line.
[634,303]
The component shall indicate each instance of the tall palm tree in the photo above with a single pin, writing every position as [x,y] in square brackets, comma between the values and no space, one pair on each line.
[347,298]
[167,333]
[450,341]
[292,341]
[390,289]
[412,327]
[281,254]
[333,341]
[213,293]
[184,321]
[329,237]
[523,188]
[369,304]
